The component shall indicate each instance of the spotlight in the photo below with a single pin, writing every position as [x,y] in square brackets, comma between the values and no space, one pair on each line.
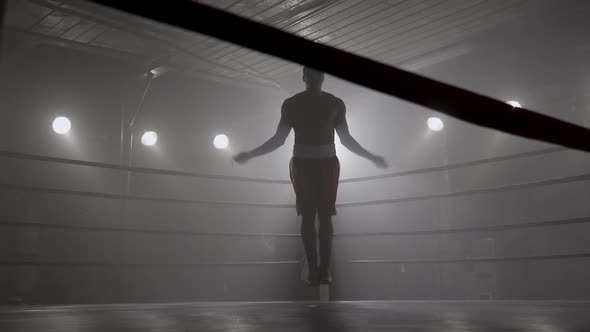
[159,71]
[220,141]
[149,138]
[62,125]
[435,124]
[514,104]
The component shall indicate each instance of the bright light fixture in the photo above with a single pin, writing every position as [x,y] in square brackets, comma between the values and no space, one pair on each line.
[220,141]
[514,103]
[149,138]
[435,124]
[61,125]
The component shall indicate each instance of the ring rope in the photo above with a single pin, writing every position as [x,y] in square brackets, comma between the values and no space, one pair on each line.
[118,264]
[457,165]
[365,261]
[471,192]
[493,228]
[526,185]
[471,260]
[147,170]
[137,198]
[144,170]
[143,231]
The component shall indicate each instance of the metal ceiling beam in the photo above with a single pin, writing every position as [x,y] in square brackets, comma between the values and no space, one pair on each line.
[132,58]
[142,34]
[2,10]
[72,44]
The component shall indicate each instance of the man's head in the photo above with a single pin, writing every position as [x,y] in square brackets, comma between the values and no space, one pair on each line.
[313,79]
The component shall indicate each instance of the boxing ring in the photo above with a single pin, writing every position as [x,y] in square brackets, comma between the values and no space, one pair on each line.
[312,316]
[305,315]
[317,312]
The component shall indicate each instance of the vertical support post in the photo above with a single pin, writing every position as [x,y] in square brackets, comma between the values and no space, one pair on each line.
[130,128]
[394,270]
[126,158]
[122,142]
[443,241]
[129,161]
[125,294]
[495,274]
[2,12]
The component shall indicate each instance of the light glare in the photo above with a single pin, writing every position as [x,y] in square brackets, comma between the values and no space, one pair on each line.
[514,103]
[62,125]
[220,141]
[149,138]
[435,124]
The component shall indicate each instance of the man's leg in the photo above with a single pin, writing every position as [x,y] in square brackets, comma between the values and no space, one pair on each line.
[330,170]
[308,234]
[326,233]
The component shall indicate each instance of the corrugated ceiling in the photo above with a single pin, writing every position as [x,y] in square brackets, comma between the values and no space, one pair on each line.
[391,31]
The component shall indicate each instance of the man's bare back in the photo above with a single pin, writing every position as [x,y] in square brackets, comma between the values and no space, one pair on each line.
[314,117]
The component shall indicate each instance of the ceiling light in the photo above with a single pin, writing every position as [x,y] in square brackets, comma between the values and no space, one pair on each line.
[149,138]
[220,141]
[61,125]
[514,104]
[435,124]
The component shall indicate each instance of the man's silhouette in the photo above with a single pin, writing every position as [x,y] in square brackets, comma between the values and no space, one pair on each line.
[314,168]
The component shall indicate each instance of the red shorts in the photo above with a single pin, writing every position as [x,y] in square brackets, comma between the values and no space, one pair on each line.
[315,182]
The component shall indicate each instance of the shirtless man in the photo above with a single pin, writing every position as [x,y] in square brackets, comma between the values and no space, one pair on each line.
[314,115]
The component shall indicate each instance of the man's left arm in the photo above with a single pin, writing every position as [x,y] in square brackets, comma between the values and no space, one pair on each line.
[351,143]
[276,141]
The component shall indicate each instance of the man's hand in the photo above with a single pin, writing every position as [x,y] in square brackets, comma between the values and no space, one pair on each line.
[379,161]
[242,157]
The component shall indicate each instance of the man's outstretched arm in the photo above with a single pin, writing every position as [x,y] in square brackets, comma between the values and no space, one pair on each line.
[353,145]
[276,141]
